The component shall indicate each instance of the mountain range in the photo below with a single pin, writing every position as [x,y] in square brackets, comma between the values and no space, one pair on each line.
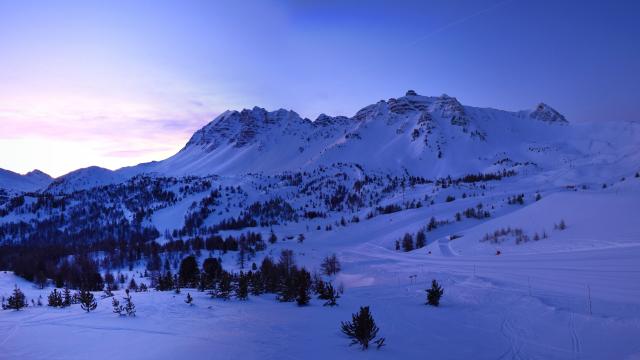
[413,134]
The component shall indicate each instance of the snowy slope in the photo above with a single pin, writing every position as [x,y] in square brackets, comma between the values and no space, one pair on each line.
[547,302]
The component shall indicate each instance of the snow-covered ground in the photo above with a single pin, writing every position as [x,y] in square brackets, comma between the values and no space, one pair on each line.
[573,295]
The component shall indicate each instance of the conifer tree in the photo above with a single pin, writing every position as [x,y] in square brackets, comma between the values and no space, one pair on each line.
[434,294]
[224,287]
[189,273]
[288,289]
[16,301]
[407,242]
[242,292]
[129,307]
[87,301]
[362,329]
[117,308]
[107,292]
[67,299]
[319,288]
[304,287]
[132,285]
[330,295]
[55,299]
[272,237]
[256,285]
[421,239]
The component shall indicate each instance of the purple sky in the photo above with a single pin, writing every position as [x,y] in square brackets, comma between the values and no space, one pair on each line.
[120,82]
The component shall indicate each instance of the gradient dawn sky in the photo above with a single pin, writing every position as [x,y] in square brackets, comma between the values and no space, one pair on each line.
[115,83]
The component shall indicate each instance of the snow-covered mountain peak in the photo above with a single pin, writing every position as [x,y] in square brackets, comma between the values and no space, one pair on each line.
[242,128]
[546,113]
[37,175]
[31,181]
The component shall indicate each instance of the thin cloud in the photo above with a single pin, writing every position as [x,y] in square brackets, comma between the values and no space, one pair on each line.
[457,22]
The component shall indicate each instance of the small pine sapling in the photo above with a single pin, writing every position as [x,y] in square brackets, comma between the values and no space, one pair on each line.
[434,294]
[87,301]
[129,307]
[362,329]
[17,300]
[55,299]
[117,308]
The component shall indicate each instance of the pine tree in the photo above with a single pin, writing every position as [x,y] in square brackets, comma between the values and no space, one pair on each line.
[362,329]
[224,287]
[562,225]
[330,295]
[129,307]
[16,301]
[132,285]
[55,299]
[272,237]
[256,285]
[189,273]
[304,286]
[107,292]
[434,294]
[242,292]
[319,288]
[66,297]
[87,301]
[117,308]
[288,288]
[189,299]
[421,239]
[407,242]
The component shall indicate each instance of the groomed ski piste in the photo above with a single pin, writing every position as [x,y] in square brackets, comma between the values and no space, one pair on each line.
[572,295]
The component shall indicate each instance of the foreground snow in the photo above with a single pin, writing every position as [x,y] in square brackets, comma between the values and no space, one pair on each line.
[530,302]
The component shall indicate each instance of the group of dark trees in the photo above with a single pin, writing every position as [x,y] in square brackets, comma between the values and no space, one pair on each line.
[474,213]
[407,242]
[516,199]
[283,278]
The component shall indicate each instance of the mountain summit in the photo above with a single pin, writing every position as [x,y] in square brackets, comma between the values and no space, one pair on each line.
[421,134]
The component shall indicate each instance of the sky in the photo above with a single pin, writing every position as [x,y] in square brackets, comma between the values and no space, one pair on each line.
[117,83]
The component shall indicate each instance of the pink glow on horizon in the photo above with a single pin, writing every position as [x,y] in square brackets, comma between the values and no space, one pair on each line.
[61,134]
